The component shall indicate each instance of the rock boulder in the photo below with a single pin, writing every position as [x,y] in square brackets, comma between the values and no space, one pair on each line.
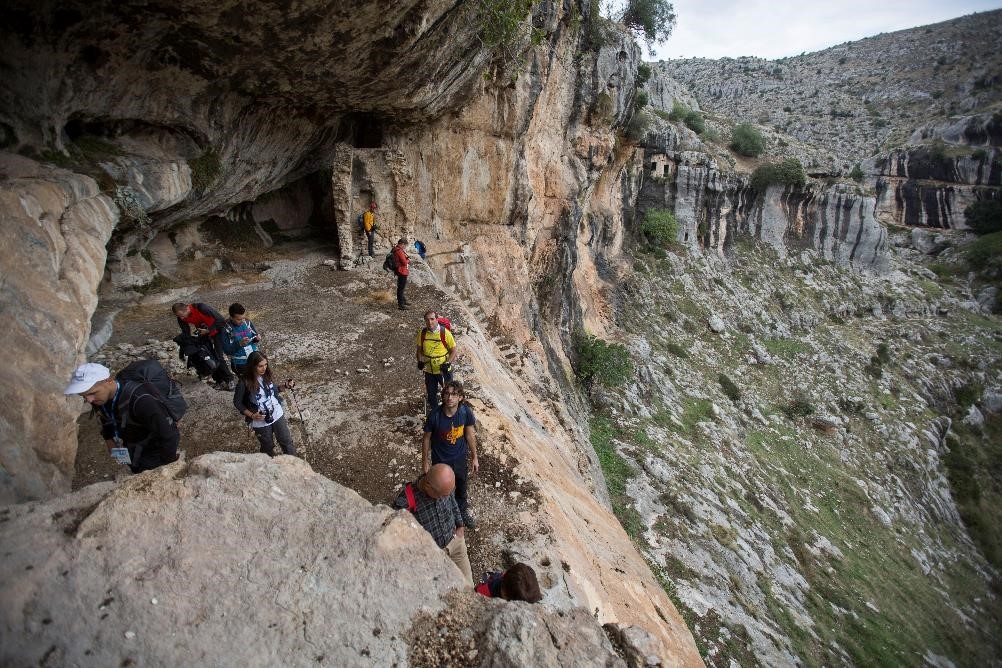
[245,560]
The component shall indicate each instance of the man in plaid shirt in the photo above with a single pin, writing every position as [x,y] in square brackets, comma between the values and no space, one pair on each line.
[434,506]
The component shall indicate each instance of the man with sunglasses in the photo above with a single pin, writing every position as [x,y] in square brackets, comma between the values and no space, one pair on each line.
[450,437]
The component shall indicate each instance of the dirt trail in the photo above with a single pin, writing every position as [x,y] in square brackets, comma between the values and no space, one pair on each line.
[351,351]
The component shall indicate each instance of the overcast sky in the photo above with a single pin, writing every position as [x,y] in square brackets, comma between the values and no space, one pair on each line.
[777,28]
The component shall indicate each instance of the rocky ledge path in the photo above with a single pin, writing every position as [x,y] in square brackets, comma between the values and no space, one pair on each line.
[340,335]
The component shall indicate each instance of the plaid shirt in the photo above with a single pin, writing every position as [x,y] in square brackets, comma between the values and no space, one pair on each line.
[439,517]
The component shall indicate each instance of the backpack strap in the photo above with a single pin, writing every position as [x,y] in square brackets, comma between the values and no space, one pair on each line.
[148,389]
[411,501]
[441,335]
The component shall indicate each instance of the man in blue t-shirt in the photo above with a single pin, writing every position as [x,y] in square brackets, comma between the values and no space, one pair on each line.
[450,436]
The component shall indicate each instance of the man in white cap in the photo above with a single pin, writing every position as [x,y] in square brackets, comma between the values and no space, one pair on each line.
[132,416]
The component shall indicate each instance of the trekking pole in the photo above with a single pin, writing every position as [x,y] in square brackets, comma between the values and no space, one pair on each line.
[299,409]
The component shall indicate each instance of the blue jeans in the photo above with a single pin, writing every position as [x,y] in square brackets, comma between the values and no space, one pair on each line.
[278,429]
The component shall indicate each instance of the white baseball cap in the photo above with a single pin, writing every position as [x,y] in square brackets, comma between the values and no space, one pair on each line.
[85,376]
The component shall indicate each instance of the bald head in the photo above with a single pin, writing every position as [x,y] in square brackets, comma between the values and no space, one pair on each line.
[439,481]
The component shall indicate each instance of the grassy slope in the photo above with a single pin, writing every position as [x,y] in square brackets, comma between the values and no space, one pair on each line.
[754,492]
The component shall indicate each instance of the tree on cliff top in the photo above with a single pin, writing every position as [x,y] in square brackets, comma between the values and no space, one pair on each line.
[650,20]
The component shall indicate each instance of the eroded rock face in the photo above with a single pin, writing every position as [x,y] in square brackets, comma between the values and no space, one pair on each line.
[930,185]
[240,559]
[55,225]
[714,206]
[202,106]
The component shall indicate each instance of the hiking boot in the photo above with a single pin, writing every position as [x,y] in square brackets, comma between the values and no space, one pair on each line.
[403,307]
[469,520]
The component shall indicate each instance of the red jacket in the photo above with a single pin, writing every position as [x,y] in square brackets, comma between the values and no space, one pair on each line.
[402,259]
[202,315]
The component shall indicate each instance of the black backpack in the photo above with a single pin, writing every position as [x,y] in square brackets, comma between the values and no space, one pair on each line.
[390,263]
[150,374]
[196,353]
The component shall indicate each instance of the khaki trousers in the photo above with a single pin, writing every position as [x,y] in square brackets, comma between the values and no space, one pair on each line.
[456,549]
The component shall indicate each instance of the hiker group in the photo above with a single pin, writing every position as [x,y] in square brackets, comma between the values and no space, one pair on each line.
[139,409]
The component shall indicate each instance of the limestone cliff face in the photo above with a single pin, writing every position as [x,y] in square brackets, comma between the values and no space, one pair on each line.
[714,206]
[948,167]
[55,225]
[517,189]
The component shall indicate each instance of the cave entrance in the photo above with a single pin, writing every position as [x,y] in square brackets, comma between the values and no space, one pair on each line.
[367,131]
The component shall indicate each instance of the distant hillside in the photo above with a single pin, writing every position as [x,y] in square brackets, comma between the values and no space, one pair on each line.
[854,100]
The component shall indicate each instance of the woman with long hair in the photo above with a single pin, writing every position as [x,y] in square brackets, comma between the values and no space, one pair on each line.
[258,400]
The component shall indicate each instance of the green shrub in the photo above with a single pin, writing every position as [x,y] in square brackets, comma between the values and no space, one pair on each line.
[979,154]
[94,148]
[732,391]
[985,252]
[677,350]
[643,74]
[857,173]
[640,100]
[710,135]
[797,407]
[639,126]
[678,111]
[602,109]
[660,227]
[505,32]
[884,353]
[617,473]
[747,141]
[984,217]
[694,121]
[968,393]
[788,172]
[608,364]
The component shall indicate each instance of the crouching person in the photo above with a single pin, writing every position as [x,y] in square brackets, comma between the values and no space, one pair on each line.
[133,417]
[258,400]
[430,498]
[518,583]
